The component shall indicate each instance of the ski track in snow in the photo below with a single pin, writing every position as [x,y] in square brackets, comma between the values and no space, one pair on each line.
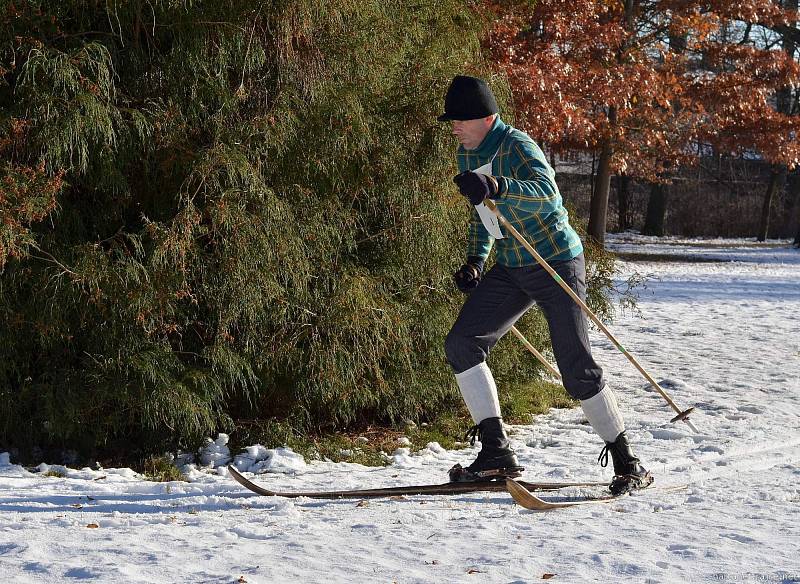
[719,335]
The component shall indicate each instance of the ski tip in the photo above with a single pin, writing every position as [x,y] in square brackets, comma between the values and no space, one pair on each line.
[236,475]
[524,497]
[528,500]
[513,486]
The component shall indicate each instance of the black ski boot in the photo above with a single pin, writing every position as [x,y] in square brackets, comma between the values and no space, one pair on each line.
[629,474]
[496,460]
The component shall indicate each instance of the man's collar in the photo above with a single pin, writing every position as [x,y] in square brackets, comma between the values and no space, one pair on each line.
[491,142]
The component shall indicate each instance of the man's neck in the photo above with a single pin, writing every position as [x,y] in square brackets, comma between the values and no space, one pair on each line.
[488,146]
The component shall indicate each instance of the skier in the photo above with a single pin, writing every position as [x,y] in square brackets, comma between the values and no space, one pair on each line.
[504,164]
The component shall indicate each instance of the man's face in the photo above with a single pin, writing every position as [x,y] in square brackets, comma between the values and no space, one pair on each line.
[472,132]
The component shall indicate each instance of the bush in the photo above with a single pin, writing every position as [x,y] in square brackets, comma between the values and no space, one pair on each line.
[161,469]
[243,213]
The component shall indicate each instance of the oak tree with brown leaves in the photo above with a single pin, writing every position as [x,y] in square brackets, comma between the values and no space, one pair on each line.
[642,83]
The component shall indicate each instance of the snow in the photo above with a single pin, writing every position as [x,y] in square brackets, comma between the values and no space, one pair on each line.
[718,329]
[258,459]
[216,452]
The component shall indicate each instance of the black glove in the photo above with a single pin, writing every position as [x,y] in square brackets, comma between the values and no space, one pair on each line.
[476,186]
[469,275]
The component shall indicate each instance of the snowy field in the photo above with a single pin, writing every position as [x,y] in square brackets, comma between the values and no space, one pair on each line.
[723,334]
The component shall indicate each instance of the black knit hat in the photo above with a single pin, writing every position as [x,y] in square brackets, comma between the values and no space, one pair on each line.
[468,98]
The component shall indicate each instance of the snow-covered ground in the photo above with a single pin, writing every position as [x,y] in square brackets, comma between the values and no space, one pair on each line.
[722,336]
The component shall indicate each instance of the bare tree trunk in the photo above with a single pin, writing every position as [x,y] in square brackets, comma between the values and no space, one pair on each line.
[776,181]
[793,186]
[659,193]
[623,188]
[797,222]
[598,208]
[790,46]
[777,177]
[656,210]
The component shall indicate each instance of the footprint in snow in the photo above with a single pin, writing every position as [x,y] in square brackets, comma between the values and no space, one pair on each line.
[751,409]
[710,448]
[740,538]
[736,417]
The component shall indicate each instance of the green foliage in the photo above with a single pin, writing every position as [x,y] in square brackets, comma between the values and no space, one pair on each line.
[371,445]
[27,195]
[161,469]
[223,211]
[521,401]
[600,271]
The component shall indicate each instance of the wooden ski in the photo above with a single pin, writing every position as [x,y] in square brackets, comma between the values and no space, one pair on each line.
[524,497]
[441,489]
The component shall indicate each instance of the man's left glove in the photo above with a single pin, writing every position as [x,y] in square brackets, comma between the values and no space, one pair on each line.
[476,186]
[469,275]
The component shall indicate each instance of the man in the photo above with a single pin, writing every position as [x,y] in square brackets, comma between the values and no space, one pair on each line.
[513,172]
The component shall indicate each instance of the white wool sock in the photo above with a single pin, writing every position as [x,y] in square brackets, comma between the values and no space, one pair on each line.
[603,414]
[480,392]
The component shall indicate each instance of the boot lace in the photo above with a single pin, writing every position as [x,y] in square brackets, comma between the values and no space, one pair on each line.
[603,458]
[473,434]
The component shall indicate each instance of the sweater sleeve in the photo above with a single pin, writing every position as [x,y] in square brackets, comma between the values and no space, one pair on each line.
[479,242]
[532,187]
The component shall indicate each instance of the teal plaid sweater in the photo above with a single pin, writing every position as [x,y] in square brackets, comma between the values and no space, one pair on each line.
[527,197]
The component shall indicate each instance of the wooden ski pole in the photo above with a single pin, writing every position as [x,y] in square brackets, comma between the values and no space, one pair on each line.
[683,415]
[536,353]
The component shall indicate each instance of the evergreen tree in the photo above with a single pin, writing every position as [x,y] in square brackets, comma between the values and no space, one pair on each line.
[224,209]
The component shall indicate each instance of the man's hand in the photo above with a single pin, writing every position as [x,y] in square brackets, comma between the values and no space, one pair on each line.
[476,186]
[469,275]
